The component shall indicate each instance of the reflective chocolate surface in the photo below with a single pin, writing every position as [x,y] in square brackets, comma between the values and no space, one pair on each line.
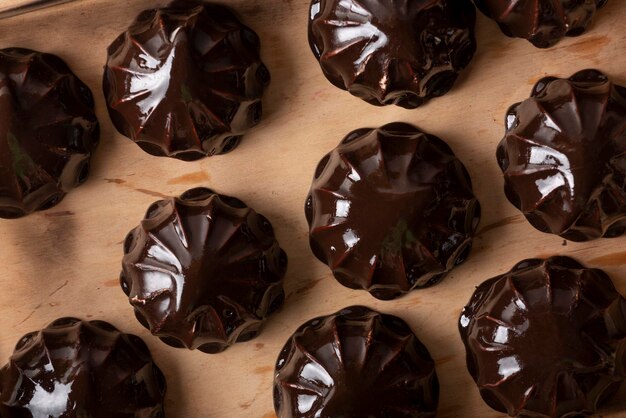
[563,156]
[541,22]
[203,270]
[546,339]
[80,369]
[185,81]
[390,210]
[48,130]
[356,363]
[395,51]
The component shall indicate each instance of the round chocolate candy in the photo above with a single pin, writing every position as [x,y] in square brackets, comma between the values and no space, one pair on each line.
[542,22]
[547,339]
[186,80]
[390,210]
[75,368]
[48,130]
[203,270]
[355,363]
[393,52]
[563,156]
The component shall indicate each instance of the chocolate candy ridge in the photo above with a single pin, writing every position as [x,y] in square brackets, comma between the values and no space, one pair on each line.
[203,270]
[547,339]
[48,131]
[355,363]
[393,52]
[542,22]
[390,210]
[81,368]
[563,156]
[185,81]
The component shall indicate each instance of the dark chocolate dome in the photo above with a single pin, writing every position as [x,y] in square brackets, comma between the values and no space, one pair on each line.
[75,368]
[394,51]
[390,210]
[356,363]
[547,339]
[48,130]
[185,81]
[203,270]
[541,22]
[563,156]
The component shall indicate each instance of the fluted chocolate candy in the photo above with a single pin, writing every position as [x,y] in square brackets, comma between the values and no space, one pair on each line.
[563,156]
[75,368]
[355,363]
[393,52]
[48,130]
[185,81]
[542,22]
[547,339]
[390,210]
[203,270]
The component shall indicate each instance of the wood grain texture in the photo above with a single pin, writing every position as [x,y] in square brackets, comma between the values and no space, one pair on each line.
[66,261]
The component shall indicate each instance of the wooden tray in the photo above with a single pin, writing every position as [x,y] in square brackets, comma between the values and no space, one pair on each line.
[66,261]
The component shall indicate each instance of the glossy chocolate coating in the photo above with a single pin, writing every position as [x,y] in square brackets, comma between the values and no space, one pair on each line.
[203,270]
[48,130]
[395,51]
[542,22]
[390,210]
[563,156]
[356,363]
[185,81]
[74,369]
[546,339]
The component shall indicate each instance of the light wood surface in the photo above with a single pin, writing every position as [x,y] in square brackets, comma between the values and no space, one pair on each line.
[15,7]
[66,261]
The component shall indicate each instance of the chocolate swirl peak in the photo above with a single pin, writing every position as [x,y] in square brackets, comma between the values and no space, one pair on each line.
[48,131]
[75,368]
[394,51]
[547,339]
[390,210]
[355,363]
[563,156]
[203,270]
[185,81]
